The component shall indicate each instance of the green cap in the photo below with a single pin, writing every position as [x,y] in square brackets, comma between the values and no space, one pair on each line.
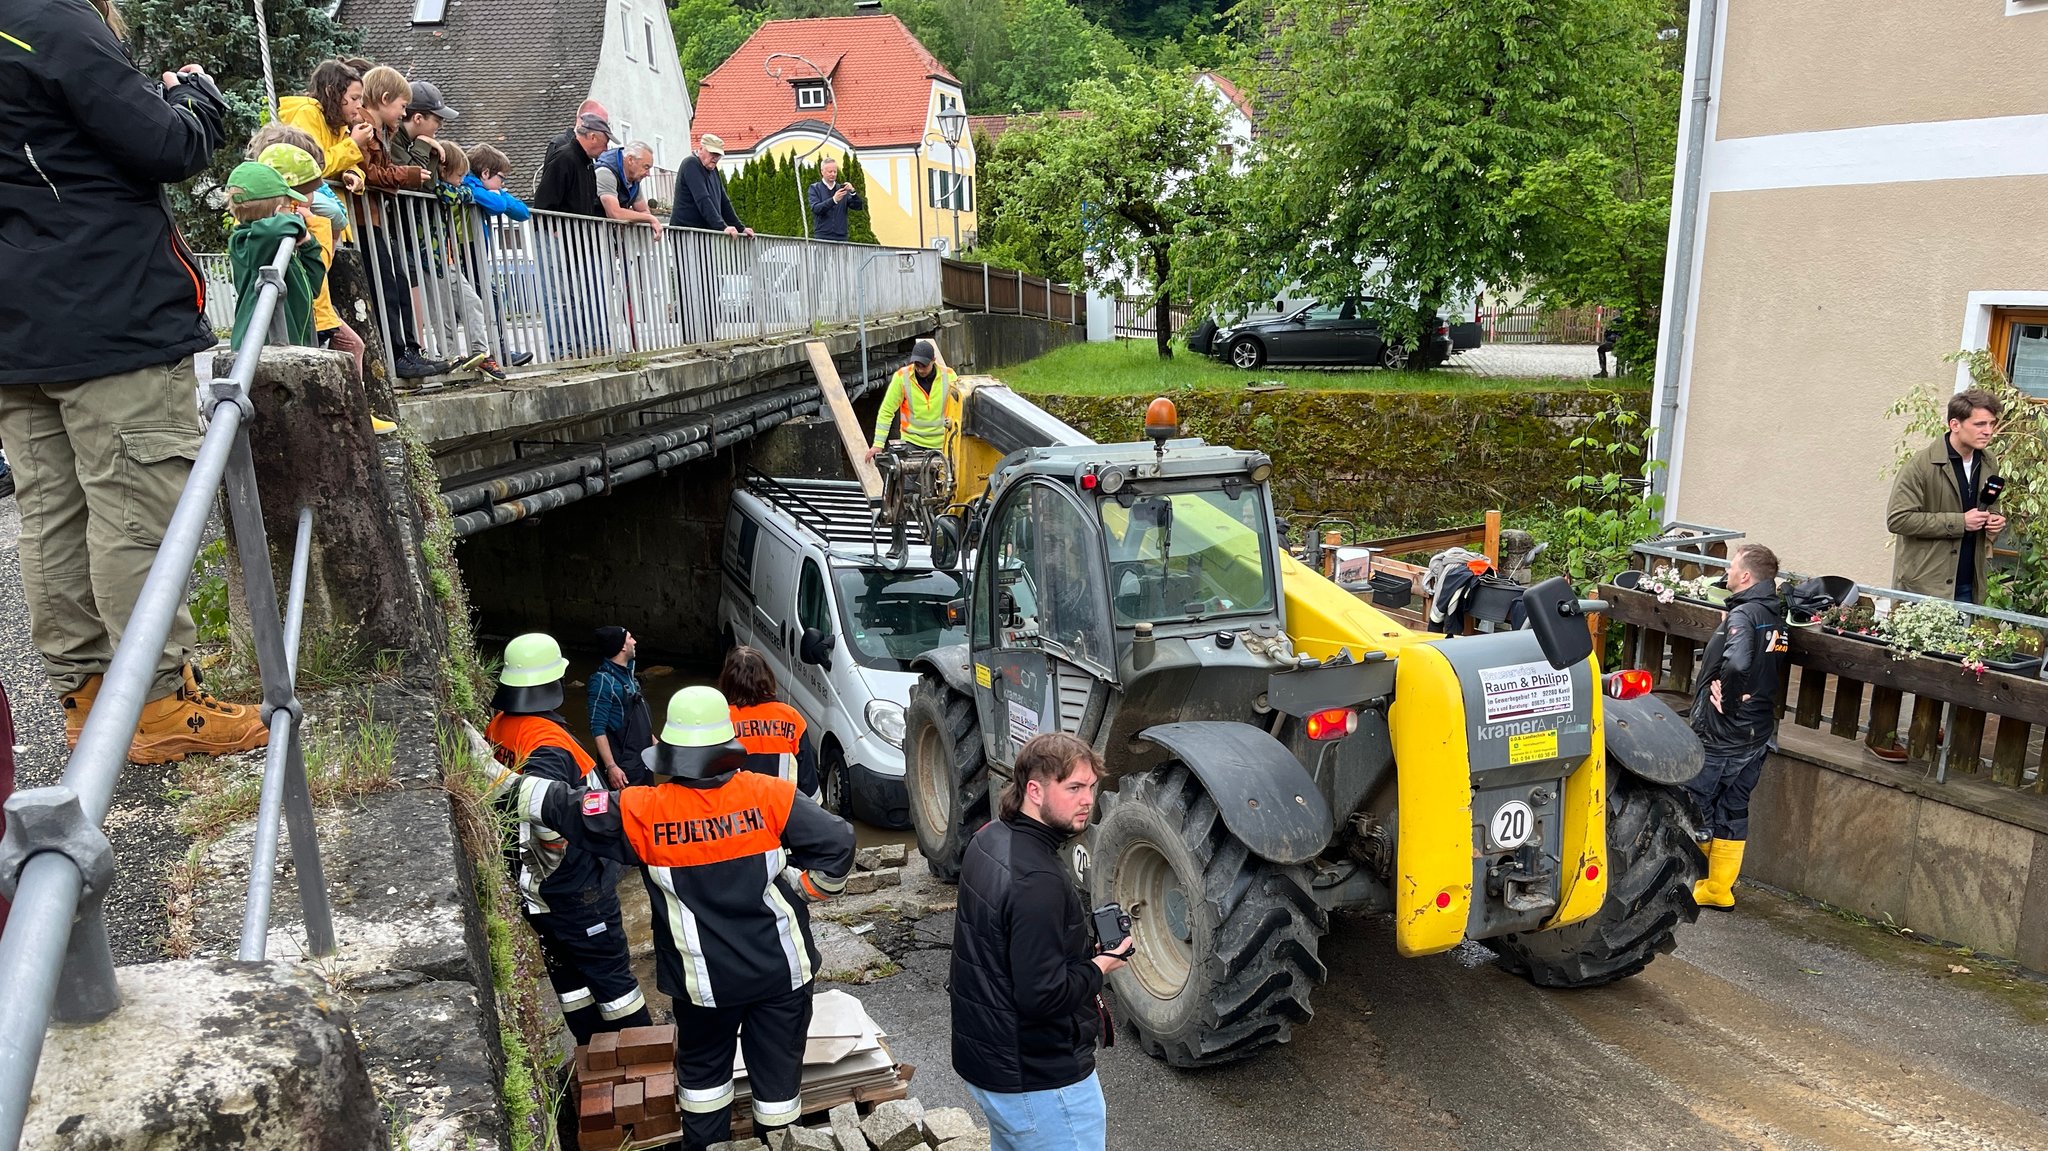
[253,181]
[292,163]
[532,660]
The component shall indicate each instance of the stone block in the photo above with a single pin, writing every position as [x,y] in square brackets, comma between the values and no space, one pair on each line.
[888,877]
[594,1108]
[861,883]
[2033,943]
[660,1093]
[655,1128]
[1969,878]
[812,1139]
[893,854]
[629,1103]
[207,1053]
[897,1125]
[979,1141]
[867,858]
[1861,851]
[609,1139]
[845,1120]
[647,1045]
[945,1124]
[429,1059]
[781,1140]
[739,1145]
[642,1072]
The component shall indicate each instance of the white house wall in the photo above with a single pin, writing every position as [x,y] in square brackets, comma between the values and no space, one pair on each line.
[646,102]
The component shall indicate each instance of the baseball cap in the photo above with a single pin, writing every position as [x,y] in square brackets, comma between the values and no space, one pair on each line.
[712,144]
[293,164]
[253,181]
[922,352]
[592,122]
[426,97]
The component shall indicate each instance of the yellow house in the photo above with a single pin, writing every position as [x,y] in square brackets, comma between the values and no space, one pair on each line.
[859,85]
[1857,197]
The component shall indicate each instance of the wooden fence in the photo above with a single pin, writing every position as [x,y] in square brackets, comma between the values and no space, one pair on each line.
[1534,325]
[1007,291]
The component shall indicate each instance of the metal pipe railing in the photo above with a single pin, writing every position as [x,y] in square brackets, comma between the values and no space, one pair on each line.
[55,957]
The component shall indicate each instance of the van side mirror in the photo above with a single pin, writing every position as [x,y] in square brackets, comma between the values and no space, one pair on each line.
[816,648]
[1558,617]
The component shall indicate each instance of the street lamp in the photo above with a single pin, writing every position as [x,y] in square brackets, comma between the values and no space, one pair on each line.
[953,125]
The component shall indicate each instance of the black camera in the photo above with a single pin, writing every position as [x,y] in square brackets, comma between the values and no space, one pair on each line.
[1112,926]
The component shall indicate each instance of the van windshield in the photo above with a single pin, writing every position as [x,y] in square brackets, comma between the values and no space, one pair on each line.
[894,617]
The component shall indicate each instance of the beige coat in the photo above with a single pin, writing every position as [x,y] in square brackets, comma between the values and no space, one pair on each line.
[1925,513]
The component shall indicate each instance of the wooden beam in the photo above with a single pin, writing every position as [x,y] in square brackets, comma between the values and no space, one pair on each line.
[2009,754]
[851,435]
[1924,739]
[1848,722]
[1492,544]
[1965,740]
[1813,690]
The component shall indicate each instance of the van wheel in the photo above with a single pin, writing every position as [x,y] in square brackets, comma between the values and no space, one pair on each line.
[947,773]
[835,782]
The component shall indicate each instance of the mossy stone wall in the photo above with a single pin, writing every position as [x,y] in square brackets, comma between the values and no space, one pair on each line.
[1384,460]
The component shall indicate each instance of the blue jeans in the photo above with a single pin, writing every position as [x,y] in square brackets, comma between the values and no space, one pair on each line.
[1061,1119]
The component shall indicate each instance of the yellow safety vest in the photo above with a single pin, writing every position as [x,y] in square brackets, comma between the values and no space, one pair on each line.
[923,413]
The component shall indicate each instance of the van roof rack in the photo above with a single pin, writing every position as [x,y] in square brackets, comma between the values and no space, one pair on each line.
[836,511]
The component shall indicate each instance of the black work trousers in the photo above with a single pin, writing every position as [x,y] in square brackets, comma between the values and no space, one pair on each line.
[772,1032]
[393,283]
[1721,791]
[591,972]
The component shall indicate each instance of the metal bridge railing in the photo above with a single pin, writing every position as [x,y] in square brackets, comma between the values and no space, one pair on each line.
[55,862]
[567,289]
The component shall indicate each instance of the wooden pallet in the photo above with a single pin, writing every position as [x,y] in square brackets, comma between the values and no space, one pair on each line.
[816,1105]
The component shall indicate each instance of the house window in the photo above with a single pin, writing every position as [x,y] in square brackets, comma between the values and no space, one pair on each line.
[941,182]
[626,30]
[2019,342]
[625,133]
[810,95]
[428,11]
[653,57]
[660,153]
[947,102]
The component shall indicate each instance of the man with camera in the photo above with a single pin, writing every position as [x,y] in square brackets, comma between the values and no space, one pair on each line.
[1027,974]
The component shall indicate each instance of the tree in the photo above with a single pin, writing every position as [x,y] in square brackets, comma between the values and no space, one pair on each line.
[708,31]
[1013,55]
[772,196]
[1399,131]
[1123,189]
[221,35]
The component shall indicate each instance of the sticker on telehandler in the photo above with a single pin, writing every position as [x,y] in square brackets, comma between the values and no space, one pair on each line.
[982,678]
[1523,690]
[1532,747]
[1023,724]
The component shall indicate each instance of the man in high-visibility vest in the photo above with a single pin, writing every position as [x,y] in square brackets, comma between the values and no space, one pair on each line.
[731,857]
[569,896]
[916,401]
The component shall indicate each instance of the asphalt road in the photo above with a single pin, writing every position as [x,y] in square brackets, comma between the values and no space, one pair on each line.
[1778,1026]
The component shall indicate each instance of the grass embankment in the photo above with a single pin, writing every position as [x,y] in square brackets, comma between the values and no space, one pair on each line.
[1133,367]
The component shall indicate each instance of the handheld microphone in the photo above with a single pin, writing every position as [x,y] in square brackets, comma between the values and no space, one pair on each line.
[1989,495]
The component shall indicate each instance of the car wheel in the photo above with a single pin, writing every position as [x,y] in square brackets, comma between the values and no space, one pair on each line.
[835,782]
[1394,357]
[1246,354]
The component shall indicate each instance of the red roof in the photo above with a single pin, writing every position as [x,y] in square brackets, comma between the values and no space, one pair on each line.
[881,80]
[1230,92]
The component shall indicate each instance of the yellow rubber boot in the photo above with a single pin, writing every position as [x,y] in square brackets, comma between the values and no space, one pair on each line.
[77,705]
[180,724]
[1724,863]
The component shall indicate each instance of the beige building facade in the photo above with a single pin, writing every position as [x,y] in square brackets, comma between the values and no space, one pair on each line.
[1870,177]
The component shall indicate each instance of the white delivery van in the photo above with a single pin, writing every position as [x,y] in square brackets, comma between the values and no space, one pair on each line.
[803,583]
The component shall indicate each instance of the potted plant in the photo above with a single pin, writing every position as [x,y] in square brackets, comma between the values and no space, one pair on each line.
[1939,629]
[1667,585]
[1852,621]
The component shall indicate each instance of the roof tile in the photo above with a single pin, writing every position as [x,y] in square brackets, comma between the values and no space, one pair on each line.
[880,80]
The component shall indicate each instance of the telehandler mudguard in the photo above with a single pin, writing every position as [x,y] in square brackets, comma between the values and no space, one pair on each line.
[1266,797]
[950,663]
[1652,741]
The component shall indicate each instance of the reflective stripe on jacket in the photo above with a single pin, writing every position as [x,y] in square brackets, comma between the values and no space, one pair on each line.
[553,877]
[922,413]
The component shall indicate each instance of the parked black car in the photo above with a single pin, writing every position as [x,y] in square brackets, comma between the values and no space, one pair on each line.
[1341,332]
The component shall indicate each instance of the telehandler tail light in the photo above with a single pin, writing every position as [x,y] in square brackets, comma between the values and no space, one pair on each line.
[1088,481]
[1629,684]
[1336,723]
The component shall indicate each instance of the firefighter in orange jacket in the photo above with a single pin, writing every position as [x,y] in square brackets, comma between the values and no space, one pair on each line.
[569,896]
[772,731]
[731,857]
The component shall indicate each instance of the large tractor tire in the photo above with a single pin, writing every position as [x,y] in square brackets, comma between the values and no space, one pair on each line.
[1226,941]
[947,773]
[1651,867]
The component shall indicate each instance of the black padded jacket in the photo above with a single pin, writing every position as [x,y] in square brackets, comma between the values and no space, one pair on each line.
[1025,1009]
[1746,656]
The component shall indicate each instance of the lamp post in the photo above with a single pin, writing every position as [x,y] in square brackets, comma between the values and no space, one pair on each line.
[953,125]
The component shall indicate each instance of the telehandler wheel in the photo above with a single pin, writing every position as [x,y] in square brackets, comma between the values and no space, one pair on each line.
[1226,941]
[946,772]
[1651,867]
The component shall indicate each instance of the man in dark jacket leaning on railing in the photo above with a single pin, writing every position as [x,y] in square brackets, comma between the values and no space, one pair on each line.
[1027,983]
[98,398]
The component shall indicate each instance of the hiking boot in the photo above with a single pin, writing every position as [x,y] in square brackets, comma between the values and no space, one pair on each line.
[489,367]
[77,705]
[518,359]
[179,725]
[470,362]
[411,367]
[195,690]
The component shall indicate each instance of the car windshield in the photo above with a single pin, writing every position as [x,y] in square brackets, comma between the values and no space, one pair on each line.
[1188,555]
[894,617]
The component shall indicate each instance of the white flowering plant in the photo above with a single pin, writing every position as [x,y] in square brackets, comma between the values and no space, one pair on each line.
[1937,627]
[1666,584]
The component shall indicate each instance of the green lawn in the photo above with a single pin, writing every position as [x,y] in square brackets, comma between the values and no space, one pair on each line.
[1133,367]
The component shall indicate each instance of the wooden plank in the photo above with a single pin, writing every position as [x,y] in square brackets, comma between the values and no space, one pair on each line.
[1884,713]
[1813,690]
[1848,708]
[1924,740]
[851,435]
[1492,544]
[1650,656]
[1631,645]
[1429,541]
[1965,740]
[1682,649]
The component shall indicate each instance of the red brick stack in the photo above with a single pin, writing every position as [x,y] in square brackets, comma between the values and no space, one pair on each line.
[625,1087]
